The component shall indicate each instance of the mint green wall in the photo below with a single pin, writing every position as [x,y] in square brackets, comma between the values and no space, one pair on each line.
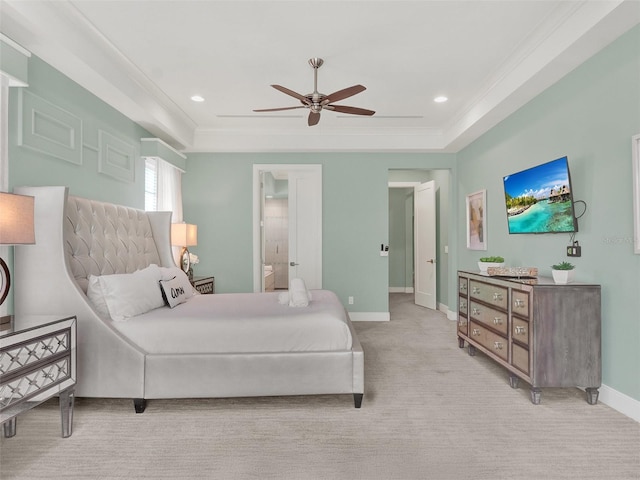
[590,116]
[33,168]
[217,196]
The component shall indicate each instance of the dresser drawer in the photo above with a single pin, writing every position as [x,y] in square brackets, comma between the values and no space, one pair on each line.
[520,330]
[489,293]
[463,285]
[520,303]
[493,342]
[462,305]
[463,325]
[496,319]
[520,358]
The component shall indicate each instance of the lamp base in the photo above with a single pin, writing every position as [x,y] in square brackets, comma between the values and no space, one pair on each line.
[5,281]
[185,261]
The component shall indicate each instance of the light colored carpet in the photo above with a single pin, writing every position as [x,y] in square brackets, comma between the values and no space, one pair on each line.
[430,412]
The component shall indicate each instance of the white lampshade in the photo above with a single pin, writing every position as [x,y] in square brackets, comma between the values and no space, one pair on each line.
[16,219]
[184,235]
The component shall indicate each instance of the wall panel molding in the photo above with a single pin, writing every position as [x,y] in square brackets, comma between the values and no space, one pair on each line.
[49,129]
[116,157]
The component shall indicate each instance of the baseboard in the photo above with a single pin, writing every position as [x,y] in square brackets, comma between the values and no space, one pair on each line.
[400,289]
[619,401]
[445,309]
[369,316]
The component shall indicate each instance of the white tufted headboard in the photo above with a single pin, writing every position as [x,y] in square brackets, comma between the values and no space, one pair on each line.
[77,237]
[103,238]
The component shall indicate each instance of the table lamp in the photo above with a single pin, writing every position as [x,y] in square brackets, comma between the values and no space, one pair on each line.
[16,228]
[184,235]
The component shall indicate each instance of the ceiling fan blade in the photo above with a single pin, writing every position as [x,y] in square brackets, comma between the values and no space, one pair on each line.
[314,118]
[351,110]
[278,109]
[342,94]
[282,89]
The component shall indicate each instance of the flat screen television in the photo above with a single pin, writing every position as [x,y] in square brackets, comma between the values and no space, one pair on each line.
[540,199]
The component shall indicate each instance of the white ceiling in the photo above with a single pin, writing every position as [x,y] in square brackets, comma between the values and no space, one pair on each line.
[147,58]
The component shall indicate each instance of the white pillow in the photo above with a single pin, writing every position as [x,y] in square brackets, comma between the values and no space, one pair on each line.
[131,294]
[96,297]
[169,273]
[173,292]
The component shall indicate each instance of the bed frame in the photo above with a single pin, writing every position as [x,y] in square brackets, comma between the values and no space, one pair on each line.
[77,237]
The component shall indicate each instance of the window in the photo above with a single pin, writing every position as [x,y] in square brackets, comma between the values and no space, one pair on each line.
[151,184]
[163,187]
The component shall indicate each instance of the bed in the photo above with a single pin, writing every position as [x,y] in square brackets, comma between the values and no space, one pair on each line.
[208,346]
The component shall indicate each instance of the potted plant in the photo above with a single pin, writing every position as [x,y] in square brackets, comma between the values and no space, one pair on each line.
[562,272]
[486,262]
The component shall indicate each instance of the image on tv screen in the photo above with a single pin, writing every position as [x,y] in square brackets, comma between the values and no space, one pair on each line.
[540,200]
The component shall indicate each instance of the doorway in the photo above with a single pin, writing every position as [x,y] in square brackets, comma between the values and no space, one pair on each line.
[276,231]
[403,253]
[303,255]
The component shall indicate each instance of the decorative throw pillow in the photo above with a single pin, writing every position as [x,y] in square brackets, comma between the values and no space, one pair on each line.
[169,273]
[131,294]
[173,292]
[96,297]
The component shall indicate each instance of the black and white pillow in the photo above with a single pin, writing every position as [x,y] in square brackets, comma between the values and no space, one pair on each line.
[173,292]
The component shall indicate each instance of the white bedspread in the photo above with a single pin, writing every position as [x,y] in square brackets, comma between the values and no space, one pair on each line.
[241,323]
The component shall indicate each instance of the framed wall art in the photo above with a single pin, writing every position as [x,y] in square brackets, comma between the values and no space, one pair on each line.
[477,220]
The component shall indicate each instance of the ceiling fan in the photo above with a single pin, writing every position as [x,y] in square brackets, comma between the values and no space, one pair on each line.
[316,101]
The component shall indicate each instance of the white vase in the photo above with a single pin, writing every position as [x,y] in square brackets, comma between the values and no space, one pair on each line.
[562,276]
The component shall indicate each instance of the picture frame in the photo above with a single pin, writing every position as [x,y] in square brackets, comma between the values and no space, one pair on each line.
[476,207]
[635,159]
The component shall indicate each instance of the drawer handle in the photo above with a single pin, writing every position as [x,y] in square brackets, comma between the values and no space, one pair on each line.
[475,332]
[462,323]
[475,311]
[518,303]
[476,290]
[463,286]
[497,345]
[520,330]
[497,321]
[497,296]
[463,304]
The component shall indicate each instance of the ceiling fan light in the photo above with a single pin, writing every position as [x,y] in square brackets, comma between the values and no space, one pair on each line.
[197,98]
[440,99]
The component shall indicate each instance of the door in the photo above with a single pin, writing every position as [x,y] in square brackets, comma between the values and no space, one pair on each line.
[305,227]
[425,244]
[305,223]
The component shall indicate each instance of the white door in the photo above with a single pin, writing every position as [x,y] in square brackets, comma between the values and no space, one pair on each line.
[425,244]
[305,227]
[305,223]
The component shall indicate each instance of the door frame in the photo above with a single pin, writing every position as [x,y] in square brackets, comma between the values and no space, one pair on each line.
[258,274]
[413,184]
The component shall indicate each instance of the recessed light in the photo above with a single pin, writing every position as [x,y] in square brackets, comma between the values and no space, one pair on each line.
[197,98]
[440,99]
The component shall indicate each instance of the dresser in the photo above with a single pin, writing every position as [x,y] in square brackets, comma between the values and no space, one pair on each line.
[543,333]
[37,362]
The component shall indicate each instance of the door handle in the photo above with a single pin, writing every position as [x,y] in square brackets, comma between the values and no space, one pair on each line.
[431,261]
[293,264]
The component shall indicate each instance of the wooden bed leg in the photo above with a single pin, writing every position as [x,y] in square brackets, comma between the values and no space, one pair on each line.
[357,399]
[139,404]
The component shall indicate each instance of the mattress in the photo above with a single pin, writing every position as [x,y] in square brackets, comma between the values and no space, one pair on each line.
[241,323]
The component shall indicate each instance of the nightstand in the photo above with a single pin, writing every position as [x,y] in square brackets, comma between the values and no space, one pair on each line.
[204,285]
[36,363]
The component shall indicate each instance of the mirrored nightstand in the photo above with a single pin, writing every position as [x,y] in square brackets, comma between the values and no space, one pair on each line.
[36,363]
[204,285]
